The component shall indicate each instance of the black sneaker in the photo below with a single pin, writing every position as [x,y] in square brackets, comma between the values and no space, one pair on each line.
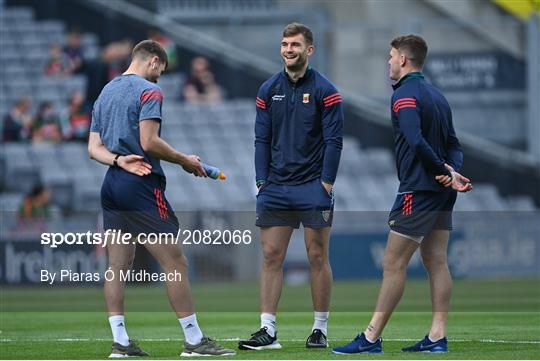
[132,349]
[317,339]
[260,340]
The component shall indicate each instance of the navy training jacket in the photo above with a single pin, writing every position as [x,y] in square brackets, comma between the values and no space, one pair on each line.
[298,129]
[423,133]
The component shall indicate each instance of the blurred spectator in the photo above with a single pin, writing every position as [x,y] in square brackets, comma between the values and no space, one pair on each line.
[75,119]
[46,126]
[73,52]
[117,56]
[36,204]
[18,122]
[169,46]
[114,60]
[200,87]
[59,63]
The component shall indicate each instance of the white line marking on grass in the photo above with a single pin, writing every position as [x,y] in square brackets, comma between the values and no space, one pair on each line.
[530,342]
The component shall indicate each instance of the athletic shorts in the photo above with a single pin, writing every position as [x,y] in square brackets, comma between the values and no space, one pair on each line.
[135,204]
[419,213]
[289,205]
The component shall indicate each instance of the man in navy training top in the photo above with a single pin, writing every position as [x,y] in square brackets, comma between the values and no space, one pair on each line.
[125,129]
[428,154]
[298,141]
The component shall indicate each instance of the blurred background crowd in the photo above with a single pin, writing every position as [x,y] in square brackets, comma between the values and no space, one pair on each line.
[69,120]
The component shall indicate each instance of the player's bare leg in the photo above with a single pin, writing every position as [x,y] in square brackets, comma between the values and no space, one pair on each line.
[397,255]
[171,259]
[434,256]
[274,242]
[121,258]
[317,244]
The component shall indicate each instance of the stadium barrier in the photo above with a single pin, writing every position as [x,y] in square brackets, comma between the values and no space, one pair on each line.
[224,246]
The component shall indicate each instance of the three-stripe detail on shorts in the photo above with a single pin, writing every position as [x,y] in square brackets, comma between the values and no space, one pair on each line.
[161,205]
[407,204]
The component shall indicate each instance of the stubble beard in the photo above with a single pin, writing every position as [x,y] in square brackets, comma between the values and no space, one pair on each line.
[298,65]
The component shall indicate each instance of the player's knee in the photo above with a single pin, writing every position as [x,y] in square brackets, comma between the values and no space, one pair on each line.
[180,260]
[435,265]
[273,257]
[184,262]
[393,264]
[121,264]
[124,263]
[317,258]
[175,261]
[434,262]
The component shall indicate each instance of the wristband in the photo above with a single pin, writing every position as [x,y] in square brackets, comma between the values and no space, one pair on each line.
[115,163]
[453,176]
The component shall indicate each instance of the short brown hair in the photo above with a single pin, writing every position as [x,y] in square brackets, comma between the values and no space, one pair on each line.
[150,47]
[414,46]
[296,28]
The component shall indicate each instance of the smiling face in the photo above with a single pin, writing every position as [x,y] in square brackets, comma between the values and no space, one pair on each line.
[295,52]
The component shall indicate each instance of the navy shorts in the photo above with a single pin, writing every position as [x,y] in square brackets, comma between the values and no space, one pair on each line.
[289,205]
[419,213]
[135,204]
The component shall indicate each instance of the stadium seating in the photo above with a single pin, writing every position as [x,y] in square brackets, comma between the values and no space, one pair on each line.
[25,51]
[195,7]
[222,136]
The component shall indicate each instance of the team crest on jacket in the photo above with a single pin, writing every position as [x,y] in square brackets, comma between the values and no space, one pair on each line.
[305,98]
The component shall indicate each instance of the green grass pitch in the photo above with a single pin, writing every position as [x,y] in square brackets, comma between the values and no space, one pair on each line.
[489,320]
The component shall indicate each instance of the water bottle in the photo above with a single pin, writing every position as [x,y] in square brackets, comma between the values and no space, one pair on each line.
[214,172]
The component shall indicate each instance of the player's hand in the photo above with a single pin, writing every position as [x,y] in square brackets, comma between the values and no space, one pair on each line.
[444,179]
[461,183]
[328,187]
[134,164]
[192,164]
[458,182]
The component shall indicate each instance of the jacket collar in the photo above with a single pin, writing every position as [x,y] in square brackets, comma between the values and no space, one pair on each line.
[407,77]
[300,80]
